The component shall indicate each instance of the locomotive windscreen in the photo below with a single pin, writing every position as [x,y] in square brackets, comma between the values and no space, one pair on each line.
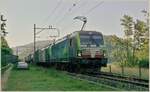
[91,39]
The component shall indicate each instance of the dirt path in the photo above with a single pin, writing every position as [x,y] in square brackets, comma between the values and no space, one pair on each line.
[4,77]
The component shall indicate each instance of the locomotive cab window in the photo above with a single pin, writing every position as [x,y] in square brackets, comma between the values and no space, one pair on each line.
[91,40]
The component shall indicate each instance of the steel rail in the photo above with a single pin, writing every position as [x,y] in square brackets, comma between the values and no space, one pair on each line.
[121,77]
[114,81]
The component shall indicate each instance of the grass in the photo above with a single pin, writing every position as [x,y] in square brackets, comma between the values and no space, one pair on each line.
[128,71]
[41,79]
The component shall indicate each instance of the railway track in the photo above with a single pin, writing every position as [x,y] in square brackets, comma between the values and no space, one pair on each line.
[126,79]
[117,81]
[114,80]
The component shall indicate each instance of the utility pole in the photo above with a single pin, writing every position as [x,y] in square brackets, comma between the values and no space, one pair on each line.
[17,51]
[34,43]
[35,33]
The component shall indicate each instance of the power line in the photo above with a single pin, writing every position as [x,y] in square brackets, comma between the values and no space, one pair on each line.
[71,9]
[82,4]
[88,12]
[50,15]
[68,11]
[57,16]
[52,12]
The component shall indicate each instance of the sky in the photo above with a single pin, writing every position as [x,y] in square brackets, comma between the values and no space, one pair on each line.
[102,15]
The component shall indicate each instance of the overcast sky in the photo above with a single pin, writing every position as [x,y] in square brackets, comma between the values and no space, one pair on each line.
[101,16]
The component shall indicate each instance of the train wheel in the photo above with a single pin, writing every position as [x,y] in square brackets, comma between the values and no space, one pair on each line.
[78,68]
[55,66]
[96,69]
[71,68]
[63,67]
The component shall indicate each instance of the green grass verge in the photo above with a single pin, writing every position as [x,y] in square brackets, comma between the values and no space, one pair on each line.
[41,79]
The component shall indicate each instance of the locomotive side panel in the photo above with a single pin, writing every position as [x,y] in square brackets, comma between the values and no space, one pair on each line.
[60,52]
[42,56]
[47,54]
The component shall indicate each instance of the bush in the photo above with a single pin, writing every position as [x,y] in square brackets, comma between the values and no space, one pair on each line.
[144,62]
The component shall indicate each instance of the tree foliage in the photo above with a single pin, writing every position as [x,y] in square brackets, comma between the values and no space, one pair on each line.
[136,33]
[6,52]
[127,22]
[132,49]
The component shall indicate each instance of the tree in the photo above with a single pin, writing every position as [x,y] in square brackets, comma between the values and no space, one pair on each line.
[5,50]
[119,50]
[127,23]
[116,50]
[139,30]
[141,40]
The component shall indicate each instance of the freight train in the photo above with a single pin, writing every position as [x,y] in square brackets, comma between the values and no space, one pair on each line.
[77,52]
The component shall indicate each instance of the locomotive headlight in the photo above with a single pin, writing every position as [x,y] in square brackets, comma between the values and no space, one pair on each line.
[104,53]
[79,54]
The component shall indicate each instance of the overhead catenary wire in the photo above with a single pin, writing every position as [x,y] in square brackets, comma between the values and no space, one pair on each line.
[88,12]
[70,11]
[50,15]
[97,5]
[67,12]
[52,12]
[78,6]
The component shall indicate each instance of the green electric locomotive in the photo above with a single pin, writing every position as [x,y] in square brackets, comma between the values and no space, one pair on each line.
[79,51]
